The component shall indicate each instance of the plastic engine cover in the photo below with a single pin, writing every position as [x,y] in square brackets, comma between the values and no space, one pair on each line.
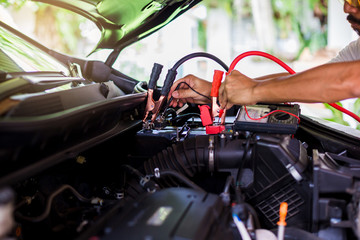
[173,213]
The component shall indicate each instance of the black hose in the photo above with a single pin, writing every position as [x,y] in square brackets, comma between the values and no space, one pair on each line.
[191,156]
[254,214]
[181,177]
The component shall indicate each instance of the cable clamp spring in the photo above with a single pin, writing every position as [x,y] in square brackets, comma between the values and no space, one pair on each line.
[157,172]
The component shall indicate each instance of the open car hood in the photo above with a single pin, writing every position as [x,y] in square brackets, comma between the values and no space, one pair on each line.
[123,22]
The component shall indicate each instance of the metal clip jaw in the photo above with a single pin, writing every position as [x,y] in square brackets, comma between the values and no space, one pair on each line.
[170,77]
[150,104]
[217,111]
[207,118]
[157,107]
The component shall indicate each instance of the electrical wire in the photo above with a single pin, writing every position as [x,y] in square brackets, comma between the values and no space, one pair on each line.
[50,201]
[228,183]
[270,114]
[246,150]
[172,72]
[344,110]
[177,88]
[200,54]
[262,54]
[241,227]
[287,68]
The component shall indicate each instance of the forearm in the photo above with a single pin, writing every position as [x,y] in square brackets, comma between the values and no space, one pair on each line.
[272,76]
[326,83]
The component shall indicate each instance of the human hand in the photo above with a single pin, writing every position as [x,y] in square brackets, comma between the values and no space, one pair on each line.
[182,91]
[236,89]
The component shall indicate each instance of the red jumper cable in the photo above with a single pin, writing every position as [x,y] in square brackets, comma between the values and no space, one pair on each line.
[287,68]
[208,118]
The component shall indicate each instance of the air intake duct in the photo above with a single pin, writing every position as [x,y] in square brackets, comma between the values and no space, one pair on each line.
[205,153]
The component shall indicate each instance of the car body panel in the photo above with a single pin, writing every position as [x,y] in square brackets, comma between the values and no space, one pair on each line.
[59,147]
[124,22]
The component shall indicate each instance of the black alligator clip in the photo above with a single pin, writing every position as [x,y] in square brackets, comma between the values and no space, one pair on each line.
[151,104]
[170,77]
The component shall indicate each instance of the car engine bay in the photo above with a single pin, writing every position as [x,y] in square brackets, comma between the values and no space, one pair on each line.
[113,163]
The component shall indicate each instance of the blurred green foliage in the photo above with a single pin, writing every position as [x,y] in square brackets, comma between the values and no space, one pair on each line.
[337,116]
[202,34]
[69,30]
[225,4]
[62,25]
[356,110]
[12,3]
[291,16]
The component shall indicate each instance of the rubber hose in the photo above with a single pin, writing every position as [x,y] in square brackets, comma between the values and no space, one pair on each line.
[191,156]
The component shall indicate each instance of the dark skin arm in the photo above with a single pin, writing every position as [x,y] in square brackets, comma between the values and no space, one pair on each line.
[326,83]
[185,94]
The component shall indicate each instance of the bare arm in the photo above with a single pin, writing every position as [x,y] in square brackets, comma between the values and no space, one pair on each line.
[272,76]
[185,94]
[326,83]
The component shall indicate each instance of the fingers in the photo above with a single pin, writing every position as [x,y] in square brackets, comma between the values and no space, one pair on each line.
[223,100]
[175,85]
[173,92]
[189,89]
[179,95]
[182,93]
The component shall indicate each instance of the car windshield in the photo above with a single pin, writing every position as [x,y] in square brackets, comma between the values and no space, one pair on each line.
[18,55]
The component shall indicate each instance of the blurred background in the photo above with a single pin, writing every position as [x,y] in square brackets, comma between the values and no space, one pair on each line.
[303,33]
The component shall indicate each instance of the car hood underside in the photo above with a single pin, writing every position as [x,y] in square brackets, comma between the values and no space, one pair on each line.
[123,22]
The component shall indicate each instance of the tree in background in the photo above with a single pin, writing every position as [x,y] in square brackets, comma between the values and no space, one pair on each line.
[279,19]
[306,18]
[56,28]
